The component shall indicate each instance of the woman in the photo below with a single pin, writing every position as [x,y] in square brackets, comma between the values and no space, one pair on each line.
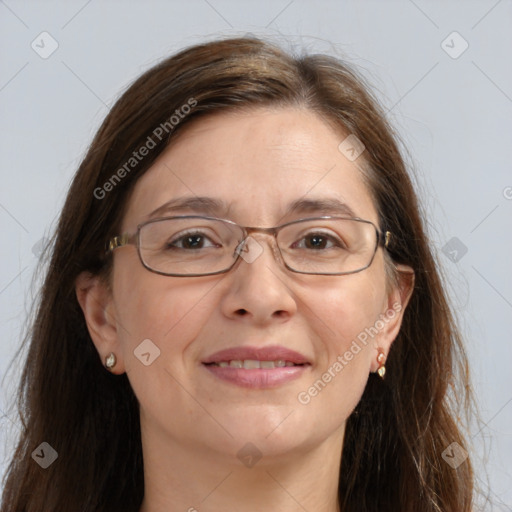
[242,311]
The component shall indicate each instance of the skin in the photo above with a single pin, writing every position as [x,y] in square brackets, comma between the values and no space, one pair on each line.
[193,424]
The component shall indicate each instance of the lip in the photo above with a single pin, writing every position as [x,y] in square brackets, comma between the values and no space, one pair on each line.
[270,353]
[260,378]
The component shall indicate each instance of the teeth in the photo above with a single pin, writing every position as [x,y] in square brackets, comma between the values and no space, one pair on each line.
[251,364]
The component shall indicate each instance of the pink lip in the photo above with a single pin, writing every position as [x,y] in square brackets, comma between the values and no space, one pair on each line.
[271,353]
[258,378]
[262,378]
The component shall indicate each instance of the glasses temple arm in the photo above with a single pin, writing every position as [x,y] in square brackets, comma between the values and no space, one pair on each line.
[385,238]
[118,241]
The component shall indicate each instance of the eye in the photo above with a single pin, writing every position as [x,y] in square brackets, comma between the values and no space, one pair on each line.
[318,241]
[190,240]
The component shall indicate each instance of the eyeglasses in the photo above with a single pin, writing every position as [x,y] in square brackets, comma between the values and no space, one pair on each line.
[194,245]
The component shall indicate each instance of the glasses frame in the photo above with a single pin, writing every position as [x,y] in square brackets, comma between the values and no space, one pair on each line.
[382,240]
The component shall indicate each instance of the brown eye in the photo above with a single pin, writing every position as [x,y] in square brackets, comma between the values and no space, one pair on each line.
[318,241]
[192,240]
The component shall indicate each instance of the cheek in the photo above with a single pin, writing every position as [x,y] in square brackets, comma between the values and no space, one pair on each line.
[344,316]
[348,308]
[168,311]
[171,313]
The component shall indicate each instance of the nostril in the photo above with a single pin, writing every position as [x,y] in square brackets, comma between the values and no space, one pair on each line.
[241,312]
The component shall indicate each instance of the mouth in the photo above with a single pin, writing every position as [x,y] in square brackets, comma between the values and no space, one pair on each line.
[252,364]
[257,368]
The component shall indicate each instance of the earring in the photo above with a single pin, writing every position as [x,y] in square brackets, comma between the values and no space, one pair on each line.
[381,370]
[110,361]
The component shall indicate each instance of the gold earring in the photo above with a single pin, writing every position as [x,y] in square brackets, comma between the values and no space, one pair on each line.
[381,370]
[110,361]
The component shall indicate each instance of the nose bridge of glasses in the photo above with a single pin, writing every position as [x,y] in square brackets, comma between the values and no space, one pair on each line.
[270,233]
[266,231]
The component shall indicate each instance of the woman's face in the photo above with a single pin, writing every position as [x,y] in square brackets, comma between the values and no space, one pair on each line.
[258,163]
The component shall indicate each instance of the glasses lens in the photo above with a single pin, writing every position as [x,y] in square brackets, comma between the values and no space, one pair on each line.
[188,245]
[197,245]
[328,246]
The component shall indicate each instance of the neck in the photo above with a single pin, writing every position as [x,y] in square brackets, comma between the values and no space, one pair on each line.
[181,477]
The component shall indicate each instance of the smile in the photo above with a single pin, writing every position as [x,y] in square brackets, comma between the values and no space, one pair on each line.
[251,364]
[256,374]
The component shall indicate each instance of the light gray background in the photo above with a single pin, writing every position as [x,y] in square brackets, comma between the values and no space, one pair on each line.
[453,113]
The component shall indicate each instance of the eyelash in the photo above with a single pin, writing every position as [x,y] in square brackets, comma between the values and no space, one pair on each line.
[171,244]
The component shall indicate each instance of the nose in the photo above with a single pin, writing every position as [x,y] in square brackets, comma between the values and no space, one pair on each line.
[259,289]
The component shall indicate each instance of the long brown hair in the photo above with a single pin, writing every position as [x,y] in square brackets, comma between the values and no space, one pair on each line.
[391,457]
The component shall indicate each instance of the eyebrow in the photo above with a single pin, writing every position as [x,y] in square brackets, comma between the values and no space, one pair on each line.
[219,208]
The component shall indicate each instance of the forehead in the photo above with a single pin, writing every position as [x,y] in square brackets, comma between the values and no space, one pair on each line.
[260,168]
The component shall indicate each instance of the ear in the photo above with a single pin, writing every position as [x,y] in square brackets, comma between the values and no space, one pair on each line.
[392,315]
[96,301]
